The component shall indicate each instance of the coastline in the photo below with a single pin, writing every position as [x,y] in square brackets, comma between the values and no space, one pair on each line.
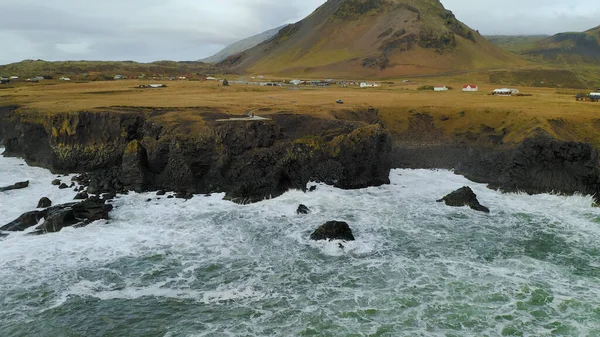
[142,150]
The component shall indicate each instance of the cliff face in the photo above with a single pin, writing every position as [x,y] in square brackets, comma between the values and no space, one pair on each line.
[539,164]
[250,160]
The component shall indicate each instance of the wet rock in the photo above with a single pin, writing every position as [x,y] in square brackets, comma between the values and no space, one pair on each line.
[184,195]
[17,186]
[312,188]
[108,196]
[302,209]
[170,197]
[161,192]
[63,186]
[44,203]
[24,221]
[81,196]
[333,230]
[148,200]
[75,215]
[61,216]
[464,197]
[56,182]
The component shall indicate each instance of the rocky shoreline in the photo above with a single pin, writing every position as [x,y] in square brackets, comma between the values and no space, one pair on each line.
[141,150]
[144,150]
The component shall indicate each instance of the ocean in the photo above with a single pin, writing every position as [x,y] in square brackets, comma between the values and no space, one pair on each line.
[209,267]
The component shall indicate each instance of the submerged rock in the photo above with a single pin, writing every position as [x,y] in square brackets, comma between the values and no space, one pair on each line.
[333,230]
[302,209]
[464,197]
[17,186]
[44,203]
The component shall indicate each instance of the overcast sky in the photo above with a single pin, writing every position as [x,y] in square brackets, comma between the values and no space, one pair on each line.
[149,30]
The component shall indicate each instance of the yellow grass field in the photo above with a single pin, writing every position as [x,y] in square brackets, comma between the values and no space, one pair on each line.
[454,111]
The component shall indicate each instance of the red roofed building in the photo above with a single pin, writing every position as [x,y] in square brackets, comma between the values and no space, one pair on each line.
[470,87]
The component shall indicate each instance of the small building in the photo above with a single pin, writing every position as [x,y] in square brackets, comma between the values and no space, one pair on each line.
[295,82]
[505,92]
[440,88]
[369,85]
[470,87]
[64,79]
[594,96]
[4,80]
[14,78]
[120,77]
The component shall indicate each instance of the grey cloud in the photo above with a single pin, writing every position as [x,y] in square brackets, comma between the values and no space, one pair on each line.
[147,30]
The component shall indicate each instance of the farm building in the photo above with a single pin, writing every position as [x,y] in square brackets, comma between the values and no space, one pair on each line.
[594,96]
[440,88]
[505,92]
[368,85]
[4,80]
[470,87]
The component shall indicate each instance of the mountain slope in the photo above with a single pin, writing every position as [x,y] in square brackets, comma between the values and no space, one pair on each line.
[577,47]
[374,38]
[242,45]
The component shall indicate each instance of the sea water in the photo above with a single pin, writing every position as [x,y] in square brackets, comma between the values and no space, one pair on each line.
[209,267]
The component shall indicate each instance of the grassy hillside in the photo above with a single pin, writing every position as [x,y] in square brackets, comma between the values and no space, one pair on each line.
[29,68]
[569,48]
[374,38]
[516,44]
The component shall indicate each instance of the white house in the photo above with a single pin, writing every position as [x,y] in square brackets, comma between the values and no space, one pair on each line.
[440,88]
[470,87]
[295,82]
[505,92]
[14,77]
[368,85]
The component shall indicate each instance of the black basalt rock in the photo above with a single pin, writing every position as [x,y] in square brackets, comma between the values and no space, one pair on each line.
[44,203]
[333,230]
[58,217]
[302,209]
[81,196]
[63,186]
[464,197]
[17,186]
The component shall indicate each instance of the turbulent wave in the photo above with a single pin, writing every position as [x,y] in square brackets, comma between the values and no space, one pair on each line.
[208,267]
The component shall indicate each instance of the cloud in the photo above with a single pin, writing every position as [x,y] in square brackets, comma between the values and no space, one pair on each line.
[147,30]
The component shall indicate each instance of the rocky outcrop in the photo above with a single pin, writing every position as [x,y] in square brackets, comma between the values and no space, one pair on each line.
[464,197]
[58,217]
[302,209]
[141,149]
[333,230]
[16,186]
[44,203]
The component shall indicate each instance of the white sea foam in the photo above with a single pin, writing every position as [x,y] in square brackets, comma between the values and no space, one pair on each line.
[418,267]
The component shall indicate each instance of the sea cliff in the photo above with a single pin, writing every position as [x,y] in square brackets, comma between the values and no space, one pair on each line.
[197,151]
[204,151]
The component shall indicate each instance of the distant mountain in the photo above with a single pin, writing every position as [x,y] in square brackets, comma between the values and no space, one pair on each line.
[29,68]
[373,38]
[573,47]
[242,45]
[516,43]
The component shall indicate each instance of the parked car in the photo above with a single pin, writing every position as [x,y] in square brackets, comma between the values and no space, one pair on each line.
[339,101]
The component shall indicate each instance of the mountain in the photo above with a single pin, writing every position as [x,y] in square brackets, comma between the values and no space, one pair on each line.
[28,68]
[373,38]
[574,47]
[242,45]
[516,43]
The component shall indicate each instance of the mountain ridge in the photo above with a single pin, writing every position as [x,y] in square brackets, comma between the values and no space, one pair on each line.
[373,38]
[242,45]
